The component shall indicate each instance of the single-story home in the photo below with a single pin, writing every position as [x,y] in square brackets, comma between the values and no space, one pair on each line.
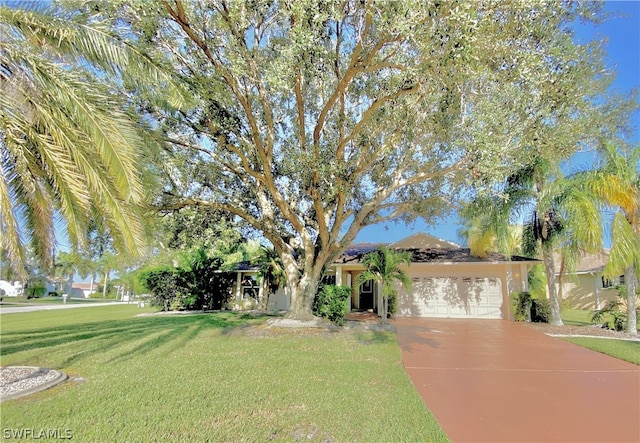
[586,288]
[80,290]
[11,288]
[447,281]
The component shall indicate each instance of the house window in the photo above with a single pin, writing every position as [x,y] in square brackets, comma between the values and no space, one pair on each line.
[606,283]
[250,287]
[329,280]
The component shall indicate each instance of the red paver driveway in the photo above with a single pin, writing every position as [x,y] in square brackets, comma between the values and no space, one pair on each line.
[499,381]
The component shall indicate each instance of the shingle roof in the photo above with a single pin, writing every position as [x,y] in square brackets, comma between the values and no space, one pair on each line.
[355,252]
[588,262]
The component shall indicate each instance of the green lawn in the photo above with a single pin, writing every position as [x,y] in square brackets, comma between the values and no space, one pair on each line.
[9,301]
[623,349]
[577,317]
[210,377]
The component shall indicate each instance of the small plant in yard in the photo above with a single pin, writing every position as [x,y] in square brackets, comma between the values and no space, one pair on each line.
[616,309]
[331,303]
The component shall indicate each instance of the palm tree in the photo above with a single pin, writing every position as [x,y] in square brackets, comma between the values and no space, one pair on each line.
[65,267]
[384,266]
[67,144]
[108,262]
[88,267]
[616,183]
[481,241]
[561,216]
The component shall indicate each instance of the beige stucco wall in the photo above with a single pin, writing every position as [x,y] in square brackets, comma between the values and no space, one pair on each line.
[580,293]
[512,276]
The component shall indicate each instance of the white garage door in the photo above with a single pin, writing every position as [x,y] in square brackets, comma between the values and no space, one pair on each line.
[456,297]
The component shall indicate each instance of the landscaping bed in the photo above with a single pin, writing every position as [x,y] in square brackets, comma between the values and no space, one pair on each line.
[588,330]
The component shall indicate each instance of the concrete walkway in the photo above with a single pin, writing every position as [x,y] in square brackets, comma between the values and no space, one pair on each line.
[499,381]
[46,307]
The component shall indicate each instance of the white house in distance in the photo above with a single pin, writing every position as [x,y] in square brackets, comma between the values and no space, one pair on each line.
[80,290]
[11,288]
[447,280]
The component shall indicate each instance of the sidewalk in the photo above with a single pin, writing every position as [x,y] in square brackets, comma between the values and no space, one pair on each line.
[44,307]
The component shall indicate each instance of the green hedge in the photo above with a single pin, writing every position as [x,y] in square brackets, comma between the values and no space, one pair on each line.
[332,303]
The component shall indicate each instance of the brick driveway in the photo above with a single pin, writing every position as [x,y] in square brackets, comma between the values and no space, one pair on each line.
[499,381]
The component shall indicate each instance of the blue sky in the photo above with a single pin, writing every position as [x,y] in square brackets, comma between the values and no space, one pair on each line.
[622,34]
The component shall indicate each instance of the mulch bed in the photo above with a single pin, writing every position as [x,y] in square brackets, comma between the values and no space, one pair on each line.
[591,330]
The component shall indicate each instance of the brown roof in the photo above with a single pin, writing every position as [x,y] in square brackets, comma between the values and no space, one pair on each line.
[588,262]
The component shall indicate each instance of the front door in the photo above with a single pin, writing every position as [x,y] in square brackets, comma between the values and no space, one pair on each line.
[366,295]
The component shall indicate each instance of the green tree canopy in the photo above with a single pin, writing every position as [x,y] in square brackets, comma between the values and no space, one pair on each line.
[313,119]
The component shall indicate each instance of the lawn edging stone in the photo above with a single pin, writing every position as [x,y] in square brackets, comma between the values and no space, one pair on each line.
[20,381]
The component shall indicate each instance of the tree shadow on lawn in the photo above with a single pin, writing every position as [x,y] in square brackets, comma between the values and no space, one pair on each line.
[138,335]
[376,337]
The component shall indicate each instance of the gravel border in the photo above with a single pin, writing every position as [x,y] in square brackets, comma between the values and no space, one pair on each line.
[19,381]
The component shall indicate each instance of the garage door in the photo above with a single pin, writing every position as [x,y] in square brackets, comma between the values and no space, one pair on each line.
[456,297]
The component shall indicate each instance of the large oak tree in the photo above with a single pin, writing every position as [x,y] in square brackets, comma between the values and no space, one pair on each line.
[314,119]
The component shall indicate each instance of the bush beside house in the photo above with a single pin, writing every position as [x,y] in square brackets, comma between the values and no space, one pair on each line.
[527,308]
[332,303]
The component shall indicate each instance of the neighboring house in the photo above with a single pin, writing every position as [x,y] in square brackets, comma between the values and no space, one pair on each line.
[80,290]
[11,288]
[586,288]
[447,280]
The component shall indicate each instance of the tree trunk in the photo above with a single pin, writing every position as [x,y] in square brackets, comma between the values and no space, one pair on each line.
[104,287]
[549,268]
[385,309]
[93,279]
[631,282]
[302,294]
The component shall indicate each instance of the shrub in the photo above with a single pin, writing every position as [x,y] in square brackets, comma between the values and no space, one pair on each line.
[188,289]
[616,309]
[163,284]
[540,310]
[521,304]
[331,303]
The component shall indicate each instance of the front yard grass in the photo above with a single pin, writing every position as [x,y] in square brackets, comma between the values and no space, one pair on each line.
[22,300]
[627,350]
[210,377]
[577,317]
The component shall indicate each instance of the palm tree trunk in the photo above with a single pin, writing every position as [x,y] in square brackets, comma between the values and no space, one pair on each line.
[547,257]
[631,283]
[104,287]
[93,280]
